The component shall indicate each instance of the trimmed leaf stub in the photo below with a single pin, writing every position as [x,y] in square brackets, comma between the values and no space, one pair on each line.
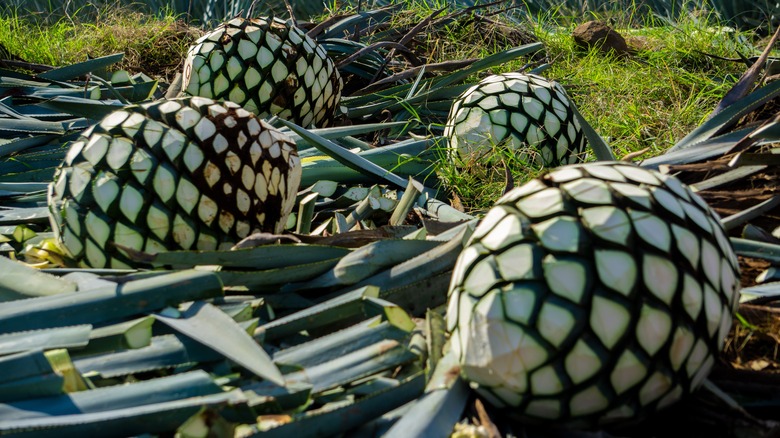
[174,174]
[595,294]
[269,67]
[530,114]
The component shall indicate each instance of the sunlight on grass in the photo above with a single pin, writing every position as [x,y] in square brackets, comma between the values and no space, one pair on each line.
[152,45]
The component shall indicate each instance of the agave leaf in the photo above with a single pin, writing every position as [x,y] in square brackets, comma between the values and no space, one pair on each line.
[755,159]
[405,205]
[421,294]
[104,304]
[752,232]
[75,71]
[275,277]
[87,280]
[487,62]
[241,312]
[324,188]
[342,309]
[23,143]
[79,106]
[769,131]
[344,156]
[444,212]
[751,213]
[343,131]
[728,116]
[421,268]
[436,337]
[403,158]
[600,147]
[46,339]
[334,420]
[16,128]
[713,147]
[211,327]
[379,426]
[389,311]
[23,167]
[366,261]
[768,275]
[420,101]
[152,418]
[45,93]
[21,281]
[764,293]
[37,175]
[305,213]
[14,216]
[362,211]
[208,421]
[36,373]
[135,333]
[436,413]
[372,359]
[727,177]
[738,91]
[189,384]
[261,257]
[758,250]
[337,344]
[136,92]
[274,398]
[349,23]
[21,188]
[166,351]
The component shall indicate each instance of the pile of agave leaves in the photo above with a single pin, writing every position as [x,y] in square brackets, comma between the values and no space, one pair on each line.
[334,327]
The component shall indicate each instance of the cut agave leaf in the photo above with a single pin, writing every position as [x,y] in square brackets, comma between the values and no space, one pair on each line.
[261,257]
[372,359]
[152,418]
[21,281]
[764,293]
[105,304]
[728,116]
[368,260]
[345,157]
[36,373]
[164,352]
[754,249]
[337,344]
[75,71]
[343,309]
[136,333]
[211,327]
[47,339]
[436,413]
[274,277]
[180,386]
[333,420]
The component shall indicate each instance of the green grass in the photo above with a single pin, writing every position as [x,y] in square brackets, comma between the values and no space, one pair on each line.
[152,45]
[647,101]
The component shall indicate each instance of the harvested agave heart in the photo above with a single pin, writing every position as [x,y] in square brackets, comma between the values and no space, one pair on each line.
[269,67]
[187,173]
[529,113]
[598,293]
